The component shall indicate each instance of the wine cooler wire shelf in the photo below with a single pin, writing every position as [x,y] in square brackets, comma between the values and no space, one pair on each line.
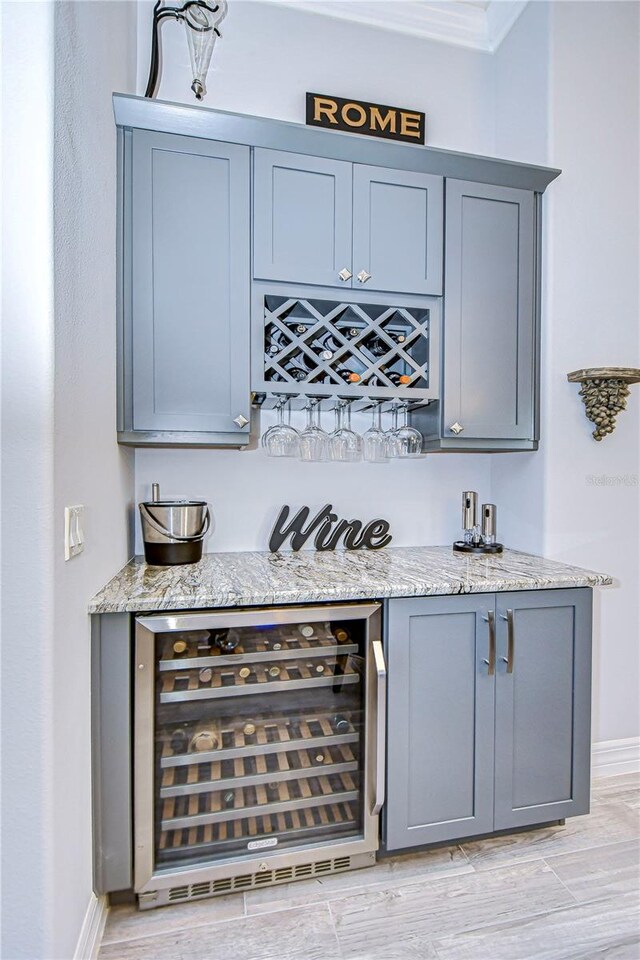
[238,680]
[204,656]
[251,771]
[361,346]
[295,826]
[289,791]
[246,802]
[256,738]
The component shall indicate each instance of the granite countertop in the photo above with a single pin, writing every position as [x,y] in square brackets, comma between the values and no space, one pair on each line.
[249,579]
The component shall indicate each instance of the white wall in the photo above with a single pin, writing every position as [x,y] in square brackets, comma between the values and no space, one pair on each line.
[27,469]
[590,60]
[592,311]
[267,58]
[95,55]
[270,55]
[61,65]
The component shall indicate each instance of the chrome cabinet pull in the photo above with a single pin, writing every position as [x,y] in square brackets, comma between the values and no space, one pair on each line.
[241,420]
[381,724]
[491,662]
[363,276]
[456,428]
[510,640]
[345,274]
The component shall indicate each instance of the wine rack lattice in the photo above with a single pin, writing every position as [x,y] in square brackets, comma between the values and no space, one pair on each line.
[327,347]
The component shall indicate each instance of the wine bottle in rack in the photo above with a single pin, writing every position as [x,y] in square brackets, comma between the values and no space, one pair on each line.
[377,347]
[397,379]
[349,376]
[179,740]
[341,634]
[340,723]
[205,737]
[274,340]
[225,639]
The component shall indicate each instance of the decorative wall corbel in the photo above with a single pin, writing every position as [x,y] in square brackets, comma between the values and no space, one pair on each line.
[604,391]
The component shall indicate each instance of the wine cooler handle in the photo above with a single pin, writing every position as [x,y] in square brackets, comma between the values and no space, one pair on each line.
[381,724]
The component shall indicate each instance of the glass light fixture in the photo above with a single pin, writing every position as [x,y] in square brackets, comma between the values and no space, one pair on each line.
[201,19]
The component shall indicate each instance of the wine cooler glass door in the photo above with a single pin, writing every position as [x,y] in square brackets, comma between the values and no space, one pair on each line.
[255,738]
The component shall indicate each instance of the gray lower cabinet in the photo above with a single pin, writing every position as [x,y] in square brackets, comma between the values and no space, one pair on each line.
[332,223]
[489,713]
[184,354]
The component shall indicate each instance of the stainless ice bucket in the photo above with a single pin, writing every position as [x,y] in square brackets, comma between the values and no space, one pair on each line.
[173,530]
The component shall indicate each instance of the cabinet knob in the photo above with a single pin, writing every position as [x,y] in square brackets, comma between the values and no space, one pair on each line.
[363,276]
[345,274]
[240,420]
[456,428]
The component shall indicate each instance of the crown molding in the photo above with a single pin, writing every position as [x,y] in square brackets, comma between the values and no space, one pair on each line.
[479,26]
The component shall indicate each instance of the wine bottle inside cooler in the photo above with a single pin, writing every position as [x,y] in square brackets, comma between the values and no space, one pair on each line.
[205,737]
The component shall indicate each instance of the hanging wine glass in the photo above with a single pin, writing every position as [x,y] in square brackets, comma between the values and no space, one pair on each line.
[281,440]
[408,440]
[313,441]
[391,435]
[344,444]
[374,440]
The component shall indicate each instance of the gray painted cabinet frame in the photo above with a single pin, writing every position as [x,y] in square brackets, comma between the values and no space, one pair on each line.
[153,410]
[470,752]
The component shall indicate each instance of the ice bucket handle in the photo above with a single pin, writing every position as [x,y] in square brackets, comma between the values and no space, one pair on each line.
[151,520]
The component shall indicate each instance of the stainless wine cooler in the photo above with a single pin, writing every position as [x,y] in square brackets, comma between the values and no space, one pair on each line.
[259,748]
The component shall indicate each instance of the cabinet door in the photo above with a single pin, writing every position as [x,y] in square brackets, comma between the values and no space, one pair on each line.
[440,720]
[302,218]
[397,230]
[543,706]
[190,287]
[489,354]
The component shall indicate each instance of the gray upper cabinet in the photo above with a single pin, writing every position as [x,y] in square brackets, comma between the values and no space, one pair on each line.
[397,230]
[543,706]
[486,736]
[202,222]
[185,352]
[489,342]
[331,223]
[302,219]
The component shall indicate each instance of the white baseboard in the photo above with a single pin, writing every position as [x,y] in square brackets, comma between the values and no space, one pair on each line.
[92,929]
[609,758]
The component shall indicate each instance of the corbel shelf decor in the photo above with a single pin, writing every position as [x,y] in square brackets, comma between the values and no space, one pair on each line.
[604,391]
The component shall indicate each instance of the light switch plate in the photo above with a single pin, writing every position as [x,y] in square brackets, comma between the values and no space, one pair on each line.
[73,531]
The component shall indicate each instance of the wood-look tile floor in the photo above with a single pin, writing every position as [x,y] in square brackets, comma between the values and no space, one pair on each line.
[559,893]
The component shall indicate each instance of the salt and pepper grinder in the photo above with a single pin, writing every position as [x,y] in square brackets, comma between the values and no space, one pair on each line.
[478,538]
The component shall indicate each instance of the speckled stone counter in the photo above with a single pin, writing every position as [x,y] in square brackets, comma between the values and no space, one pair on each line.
[250,579]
